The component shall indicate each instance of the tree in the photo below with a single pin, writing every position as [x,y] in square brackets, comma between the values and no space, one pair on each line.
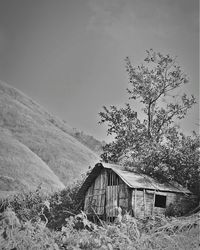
[147,139]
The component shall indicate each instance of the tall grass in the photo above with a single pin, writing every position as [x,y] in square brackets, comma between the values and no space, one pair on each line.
[34,221]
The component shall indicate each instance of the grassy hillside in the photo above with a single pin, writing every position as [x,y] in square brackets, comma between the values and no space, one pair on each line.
[21,168]
[89,141]
[36,146]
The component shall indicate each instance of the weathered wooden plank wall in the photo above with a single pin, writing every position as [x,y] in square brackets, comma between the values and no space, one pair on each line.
[143,202]
[95,196]
[171,198]
[139,206]
[123,196]
[112,194]
[149,203]
[111,201]
[108,192]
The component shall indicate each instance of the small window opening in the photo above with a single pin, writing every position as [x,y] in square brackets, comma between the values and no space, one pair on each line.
[160,201]
[113,179]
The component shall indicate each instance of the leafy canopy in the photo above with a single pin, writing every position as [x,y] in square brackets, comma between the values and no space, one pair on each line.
[146,137]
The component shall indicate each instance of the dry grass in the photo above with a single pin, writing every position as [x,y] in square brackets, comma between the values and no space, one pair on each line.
[79,233]
[175,233]
[22,169]
[35,141]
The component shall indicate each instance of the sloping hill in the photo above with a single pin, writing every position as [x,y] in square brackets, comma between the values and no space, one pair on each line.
[35,142]
[21,168]
[88,140]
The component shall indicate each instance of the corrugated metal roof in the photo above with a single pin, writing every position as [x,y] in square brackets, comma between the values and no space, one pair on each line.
[136,180]
[132,179]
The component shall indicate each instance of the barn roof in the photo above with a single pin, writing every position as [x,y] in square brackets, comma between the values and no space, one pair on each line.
[132,179]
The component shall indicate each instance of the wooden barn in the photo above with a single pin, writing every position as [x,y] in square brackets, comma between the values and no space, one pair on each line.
[108,188]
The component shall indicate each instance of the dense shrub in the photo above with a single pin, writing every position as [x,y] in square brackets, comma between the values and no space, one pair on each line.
[181,207]
[19,235]
[26,205]
[62,205]
[52,209]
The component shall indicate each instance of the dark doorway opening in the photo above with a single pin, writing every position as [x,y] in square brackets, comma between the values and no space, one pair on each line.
[160,201]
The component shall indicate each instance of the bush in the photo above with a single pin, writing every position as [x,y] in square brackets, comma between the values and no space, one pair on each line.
[181,207]
[26,205]
[52,209]
[79,233]
[63,204]
[20,235]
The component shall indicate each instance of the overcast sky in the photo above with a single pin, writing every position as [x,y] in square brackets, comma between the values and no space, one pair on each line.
[68,55]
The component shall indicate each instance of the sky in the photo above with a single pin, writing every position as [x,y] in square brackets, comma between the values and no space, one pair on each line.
[68,55]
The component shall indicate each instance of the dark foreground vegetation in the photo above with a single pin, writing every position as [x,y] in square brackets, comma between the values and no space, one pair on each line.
[36,221]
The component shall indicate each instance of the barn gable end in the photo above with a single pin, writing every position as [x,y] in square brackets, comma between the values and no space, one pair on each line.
[107,192]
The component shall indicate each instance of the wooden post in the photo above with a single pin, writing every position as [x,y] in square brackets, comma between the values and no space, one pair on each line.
[106,195]
[117,191]
[135,199]
[105,184]
[112,198]
[132,201]
[101,191]
[154,196]
[108,206]
[144,200]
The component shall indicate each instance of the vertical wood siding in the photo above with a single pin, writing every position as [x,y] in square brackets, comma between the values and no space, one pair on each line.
[112,194]
[117,195]
[124,196]
[95,196]
[111,201]
[108,192]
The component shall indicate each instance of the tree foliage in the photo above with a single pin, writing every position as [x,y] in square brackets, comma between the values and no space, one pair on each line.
[146,137]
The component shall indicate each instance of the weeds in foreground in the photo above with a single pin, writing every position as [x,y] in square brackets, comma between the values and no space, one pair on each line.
[80,233]
[36,221]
